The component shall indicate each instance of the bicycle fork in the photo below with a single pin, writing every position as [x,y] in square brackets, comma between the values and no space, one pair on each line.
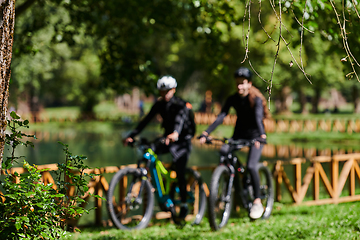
[138,200]
[231,182]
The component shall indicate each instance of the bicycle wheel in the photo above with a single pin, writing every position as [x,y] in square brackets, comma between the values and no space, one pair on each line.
[266,190]
[219,203]
[196,198]
[130,201]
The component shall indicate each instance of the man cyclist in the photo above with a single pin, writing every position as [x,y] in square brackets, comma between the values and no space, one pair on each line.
[250,106]
[178,132]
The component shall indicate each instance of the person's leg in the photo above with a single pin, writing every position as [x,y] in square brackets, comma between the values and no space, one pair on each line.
[252,162]
[181,153]
[180,168]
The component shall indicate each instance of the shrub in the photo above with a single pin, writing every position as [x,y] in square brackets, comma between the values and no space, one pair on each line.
[32,210]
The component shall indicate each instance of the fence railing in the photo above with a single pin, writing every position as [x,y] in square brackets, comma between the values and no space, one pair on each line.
[289,151]
[291,126]
[341,169]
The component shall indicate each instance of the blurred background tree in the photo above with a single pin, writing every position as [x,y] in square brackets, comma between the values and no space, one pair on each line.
[81,52]
[78,52]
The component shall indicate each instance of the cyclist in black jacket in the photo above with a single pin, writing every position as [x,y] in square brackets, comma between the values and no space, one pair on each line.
[250,106]
[175,113]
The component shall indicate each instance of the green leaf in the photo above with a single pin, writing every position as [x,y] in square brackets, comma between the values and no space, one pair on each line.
[18,225]
[14,115]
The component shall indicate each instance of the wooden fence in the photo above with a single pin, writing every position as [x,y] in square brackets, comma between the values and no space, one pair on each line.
[291,126]
[342,169]
[289,151]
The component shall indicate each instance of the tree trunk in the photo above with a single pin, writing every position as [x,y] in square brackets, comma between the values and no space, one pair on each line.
[284,102]
[302,101]
[315,101]
[7,11]
[356,99]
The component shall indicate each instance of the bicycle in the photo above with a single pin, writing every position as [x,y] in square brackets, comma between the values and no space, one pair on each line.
[230,179]
[130,198]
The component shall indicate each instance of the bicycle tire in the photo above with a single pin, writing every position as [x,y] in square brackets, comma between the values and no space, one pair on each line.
[219,207]
[124,211]
[196,206]
[266,190]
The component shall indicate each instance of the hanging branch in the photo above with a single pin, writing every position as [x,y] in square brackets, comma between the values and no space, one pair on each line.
[246,41]
[353,2]
[301,45]
[301,34]
[344,37]
[266,81]
[259,17]
[277,50]
[302,22]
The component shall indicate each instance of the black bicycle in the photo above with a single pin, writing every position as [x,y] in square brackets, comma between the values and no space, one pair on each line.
[230,179]
[130,198]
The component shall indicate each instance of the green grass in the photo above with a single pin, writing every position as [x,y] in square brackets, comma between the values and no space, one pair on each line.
[287,222]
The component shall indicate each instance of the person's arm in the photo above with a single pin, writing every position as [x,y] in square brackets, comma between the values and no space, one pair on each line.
[142,124]
[180,118]
[220,118]
[259,115]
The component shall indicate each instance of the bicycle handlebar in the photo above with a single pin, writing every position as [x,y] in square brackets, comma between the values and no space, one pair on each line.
[244,142]
[144,143]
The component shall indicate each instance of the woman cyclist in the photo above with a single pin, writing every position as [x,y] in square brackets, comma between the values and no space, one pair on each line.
[250,106]
[178,132]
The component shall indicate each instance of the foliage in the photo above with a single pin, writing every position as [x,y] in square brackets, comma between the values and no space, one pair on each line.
[72,176]
[48,70]
[14,138]
[33,210]
[29,210]
[78,52]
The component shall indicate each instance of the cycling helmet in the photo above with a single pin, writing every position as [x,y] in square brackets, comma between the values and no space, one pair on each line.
[243,72]
[166,83]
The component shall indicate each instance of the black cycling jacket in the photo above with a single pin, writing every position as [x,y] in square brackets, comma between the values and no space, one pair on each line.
[174,115]
[249,123]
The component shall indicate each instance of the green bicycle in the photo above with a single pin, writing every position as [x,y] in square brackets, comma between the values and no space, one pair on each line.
[130,198]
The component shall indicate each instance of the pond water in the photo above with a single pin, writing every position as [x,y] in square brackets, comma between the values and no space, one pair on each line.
[101,147]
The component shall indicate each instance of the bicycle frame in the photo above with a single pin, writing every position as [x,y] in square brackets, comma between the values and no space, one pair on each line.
[157,171]
[236,168]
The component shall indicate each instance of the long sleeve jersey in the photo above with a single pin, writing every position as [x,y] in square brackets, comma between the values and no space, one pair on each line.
[249,123]
[174,115]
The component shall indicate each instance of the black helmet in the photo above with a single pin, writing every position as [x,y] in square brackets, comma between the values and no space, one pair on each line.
[243,72]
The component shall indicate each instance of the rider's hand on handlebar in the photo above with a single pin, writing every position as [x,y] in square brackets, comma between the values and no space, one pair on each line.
[261,139]
[203,137]
[128,140]
[172,137]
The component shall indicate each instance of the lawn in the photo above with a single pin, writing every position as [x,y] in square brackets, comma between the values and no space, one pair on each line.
[287,222]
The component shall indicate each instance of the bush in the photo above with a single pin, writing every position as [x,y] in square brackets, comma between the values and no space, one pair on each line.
[32,210]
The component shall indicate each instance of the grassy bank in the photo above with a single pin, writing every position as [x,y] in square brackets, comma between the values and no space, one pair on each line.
[287,222]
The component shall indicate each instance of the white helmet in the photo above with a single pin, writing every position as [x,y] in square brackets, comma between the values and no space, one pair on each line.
[166,83]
